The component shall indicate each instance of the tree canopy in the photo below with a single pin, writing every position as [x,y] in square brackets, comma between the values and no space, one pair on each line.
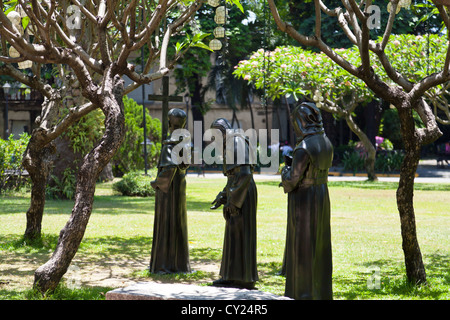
[90,42]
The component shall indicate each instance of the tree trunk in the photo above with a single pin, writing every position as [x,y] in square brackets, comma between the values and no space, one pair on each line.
[415,270]
[290,129]
[37,161]
[371,151]
[49,275]
[249,104]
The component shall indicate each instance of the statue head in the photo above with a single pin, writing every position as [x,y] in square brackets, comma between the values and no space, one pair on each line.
[306,120]
[222,124]
[177,119]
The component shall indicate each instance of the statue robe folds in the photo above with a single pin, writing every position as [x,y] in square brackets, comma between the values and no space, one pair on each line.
[308,259]
[170,249]
[239,248]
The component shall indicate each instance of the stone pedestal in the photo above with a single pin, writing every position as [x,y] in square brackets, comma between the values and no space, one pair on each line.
[170,291]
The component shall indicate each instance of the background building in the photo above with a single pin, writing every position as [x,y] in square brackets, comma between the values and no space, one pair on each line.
[19,110]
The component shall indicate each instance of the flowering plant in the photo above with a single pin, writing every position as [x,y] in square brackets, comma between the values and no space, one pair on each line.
[293,71]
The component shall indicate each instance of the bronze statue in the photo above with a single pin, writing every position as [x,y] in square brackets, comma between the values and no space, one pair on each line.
[239,200]
[307,260]
[170,251]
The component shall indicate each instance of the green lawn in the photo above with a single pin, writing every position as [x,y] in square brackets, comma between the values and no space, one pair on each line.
[365,230]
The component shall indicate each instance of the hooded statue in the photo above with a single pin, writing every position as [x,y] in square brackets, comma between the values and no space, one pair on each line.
[170,251]
[308,260]
[239,197]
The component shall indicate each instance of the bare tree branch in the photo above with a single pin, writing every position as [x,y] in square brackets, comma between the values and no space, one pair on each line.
[444,15]
[345,27]
[318,27]
[388,30]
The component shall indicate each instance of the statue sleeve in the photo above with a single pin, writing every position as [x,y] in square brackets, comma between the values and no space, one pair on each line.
[292,175]
[238,186]
[164,178]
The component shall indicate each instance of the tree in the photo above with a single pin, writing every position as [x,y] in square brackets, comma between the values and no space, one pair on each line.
[302,16]
[301,73]
[403,93]
[305,74]
[96,49]
[246,31]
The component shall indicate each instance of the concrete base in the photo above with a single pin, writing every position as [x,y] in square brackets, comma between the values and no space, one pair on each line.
[171,291]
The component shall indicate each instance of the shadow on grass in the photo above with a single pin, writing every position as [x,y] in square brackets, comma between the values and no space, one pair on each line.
[378,185]
[387,279]
[18,244]
[197,255]
[102,247]
[202,206]
[11,204]
[205,255]
[199,277]
[108,252]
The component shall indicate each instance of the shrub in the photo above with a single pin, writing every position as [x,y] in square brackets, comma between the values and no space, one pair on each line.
[63,188]
[352,161]
[86,132]
[387,145]
[390,128]
[136,184]
[11,153]
[389,161]
[130,157]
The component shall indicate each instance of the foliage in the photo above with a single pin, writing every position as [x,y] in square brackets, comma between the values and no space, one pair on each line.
[293,71]
[86,132]
[64,292]
[242,37]
[353,156]
[299,72]
[390,127]
[136,184]
[130,157]
[389,161]
[387,145]
[62,188]
[416,56]
[408,21]
[11,152]
[352,161]
[385,162]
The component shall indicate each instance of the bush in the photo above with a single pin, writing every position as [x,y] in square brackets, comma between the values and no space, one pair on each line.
[130,157]
[386,161]
[352,161]
[11,153]
[390,128]
[86,132]
[136,184]
[389,161]
[63,188]
[387,145]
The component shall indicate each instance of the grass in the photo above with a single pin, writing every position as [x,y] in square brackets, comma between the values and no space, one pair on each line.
[365,236]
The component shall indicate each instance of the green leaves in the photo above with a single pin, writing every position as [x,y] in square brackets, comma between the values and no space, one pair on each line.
[293,71]
[197,41]
[238,4]
[25,22]
[129,157]
[179,46]
[11,152]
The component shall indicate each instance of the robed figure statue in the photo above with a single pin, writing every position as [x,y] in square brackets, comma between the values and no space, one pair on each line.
[170,250]
[239,197]
[308,261]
